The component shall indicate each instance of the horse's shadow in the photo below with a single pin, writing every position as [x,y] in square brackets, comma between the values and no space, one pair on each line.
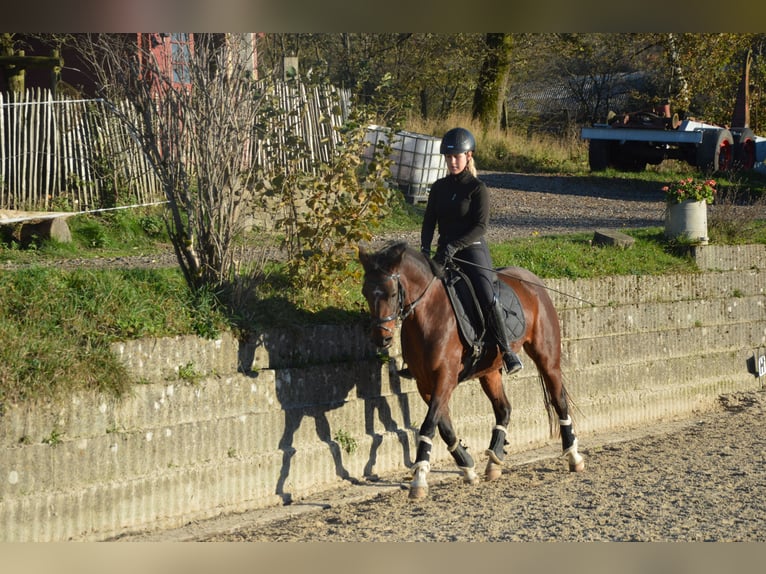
[375,400]
[314,392]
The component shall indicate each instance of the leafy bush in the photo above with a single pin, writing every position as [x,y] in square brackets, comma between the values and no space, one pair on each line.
[325,215]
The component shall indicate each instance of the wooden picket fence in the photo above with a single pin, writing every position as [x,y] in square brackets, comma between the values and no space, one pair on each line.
[73,153]
[80,153]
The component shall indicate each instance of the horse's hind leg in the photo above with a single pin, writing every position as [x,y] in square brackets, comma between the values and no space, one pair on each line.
[492,384]
[557,399]
[569,445]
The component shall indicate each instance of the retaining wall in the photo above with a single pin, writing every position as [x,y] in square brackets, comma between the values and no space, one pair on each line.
[289,413]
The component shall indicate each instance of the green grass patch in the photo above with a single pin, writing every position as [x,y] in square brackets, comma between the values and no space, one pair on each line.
[57,325]
[575,257]
[109,234]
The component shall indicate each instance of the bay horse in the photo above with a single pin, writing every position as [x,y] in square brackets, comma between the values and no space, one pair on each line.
[402,287]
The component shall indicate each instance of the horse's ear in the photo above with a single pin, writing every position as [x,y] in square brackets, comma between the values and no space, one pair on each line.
[364,255]
[397,250]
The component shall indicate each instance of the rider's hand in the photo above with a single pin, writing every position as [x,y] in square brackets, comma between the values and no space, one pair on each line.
[445,254]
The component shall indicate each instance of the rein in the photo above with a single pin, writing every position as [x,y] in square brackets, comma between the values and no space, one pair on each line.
[496,272]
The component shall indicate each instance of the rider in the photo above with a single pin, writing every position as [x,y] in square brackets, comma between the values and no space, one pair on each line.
[459,204]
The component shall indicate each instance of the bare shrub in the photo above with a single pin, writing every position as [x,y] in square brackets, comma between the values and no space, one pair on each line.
[731,219]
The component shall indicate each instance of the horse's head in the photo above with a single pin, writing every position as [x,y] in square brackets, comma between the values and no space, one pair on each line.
[383,290]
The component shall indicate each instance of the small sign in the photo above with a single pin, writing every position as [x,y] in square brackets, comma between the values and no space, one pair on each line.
[762,365]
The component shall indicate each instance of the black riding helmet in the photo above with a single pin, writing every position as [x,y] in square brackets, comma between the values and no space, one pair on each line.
[457,140]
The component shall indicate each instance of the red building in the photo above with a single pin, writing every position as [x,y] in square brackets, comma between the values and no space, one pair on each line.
[170,52]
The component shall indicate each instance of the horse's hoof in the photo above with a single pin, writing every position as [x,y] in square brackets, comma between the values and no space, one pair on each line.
[418,492]
[493,471]
[577,467]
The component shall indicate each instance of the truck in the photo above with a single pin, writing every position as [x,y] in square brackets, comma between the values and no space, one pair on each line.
[628,142]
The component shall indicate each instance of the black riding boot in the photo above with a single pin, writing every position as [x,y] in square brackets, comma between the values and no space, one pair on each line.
[497,321]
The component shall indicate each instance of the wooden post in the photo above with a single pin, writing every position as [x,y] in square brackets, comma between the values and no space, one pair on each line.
[16,75]
[55,72]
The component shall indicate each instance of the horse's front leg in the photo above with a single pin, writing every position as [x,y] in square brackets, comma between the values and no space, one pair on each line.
[458,451]
[422,466]
[438,417]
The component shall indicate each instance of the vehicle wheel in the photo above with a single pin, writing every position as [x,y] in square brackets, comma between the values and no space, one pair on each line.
[716,152]
[632,165]
[598,155]
[626,160]
[744,148]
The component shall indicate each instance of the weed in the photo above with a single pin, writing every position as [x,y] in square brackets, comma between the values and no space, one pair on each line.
[189,373]
[346,441]
[734,217]
[55,438]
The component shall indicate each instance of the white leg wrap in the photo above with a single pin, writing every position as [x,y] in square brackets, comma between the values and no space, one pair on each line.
[493,457]
[573,457]
[469,475]
[419,472]
[566,422]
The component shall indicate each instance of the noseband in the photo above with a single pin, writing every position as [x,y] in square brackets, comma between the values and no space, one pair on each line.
[402,310]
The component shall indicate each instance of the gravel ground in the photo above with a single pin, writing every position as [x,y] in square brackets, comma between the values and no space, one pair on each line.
[528,205]
[700,479]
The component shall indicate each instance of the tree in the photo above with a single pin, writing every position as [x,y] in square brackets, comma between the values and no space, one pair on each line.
[196,134]
[712,65]
[431,75]
[489,96]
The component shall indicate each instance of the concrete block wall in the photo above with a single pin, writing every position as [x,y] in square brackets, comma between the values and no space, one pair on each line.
[292,412]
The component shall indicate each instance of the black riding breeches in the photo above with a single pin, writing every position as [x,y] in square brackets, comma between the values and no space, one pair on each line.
[479,271]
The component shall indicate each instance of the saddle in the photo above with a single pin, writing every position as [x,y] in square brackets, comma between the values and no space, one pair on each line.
[472,325]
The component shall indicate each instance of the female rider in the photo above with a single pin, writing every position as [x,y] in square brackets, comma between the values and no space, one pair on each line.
[459,204]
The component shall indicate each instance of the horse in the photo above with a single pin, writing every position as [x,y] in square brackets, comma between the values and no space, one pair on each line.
[403,289]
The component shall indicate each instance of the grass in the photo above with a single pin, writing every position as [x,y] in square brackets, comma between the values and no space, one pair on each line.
[573,256]
[57,324]
[110,234]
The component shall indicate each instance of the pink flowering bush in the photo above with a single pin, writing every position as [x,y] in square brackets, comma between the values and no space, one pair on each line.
[690,189]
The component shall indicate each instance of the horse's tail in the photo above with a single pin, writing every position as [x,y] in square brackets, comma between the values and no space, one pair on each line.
[553,417]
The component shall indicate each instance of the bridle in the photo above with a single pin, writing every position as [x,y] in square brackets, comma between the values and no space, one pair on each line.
[403,310]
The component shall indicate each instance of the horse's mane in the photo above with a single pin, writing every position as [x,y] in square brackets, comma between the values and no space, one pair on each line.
[393,250]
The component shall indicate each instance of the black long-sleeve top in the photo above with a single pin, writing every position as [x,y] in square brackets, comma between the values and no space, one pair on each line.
[459,206]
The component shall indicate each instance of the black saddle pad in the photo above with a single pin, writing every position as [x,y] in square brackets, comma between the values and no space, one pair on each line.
[471,322]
